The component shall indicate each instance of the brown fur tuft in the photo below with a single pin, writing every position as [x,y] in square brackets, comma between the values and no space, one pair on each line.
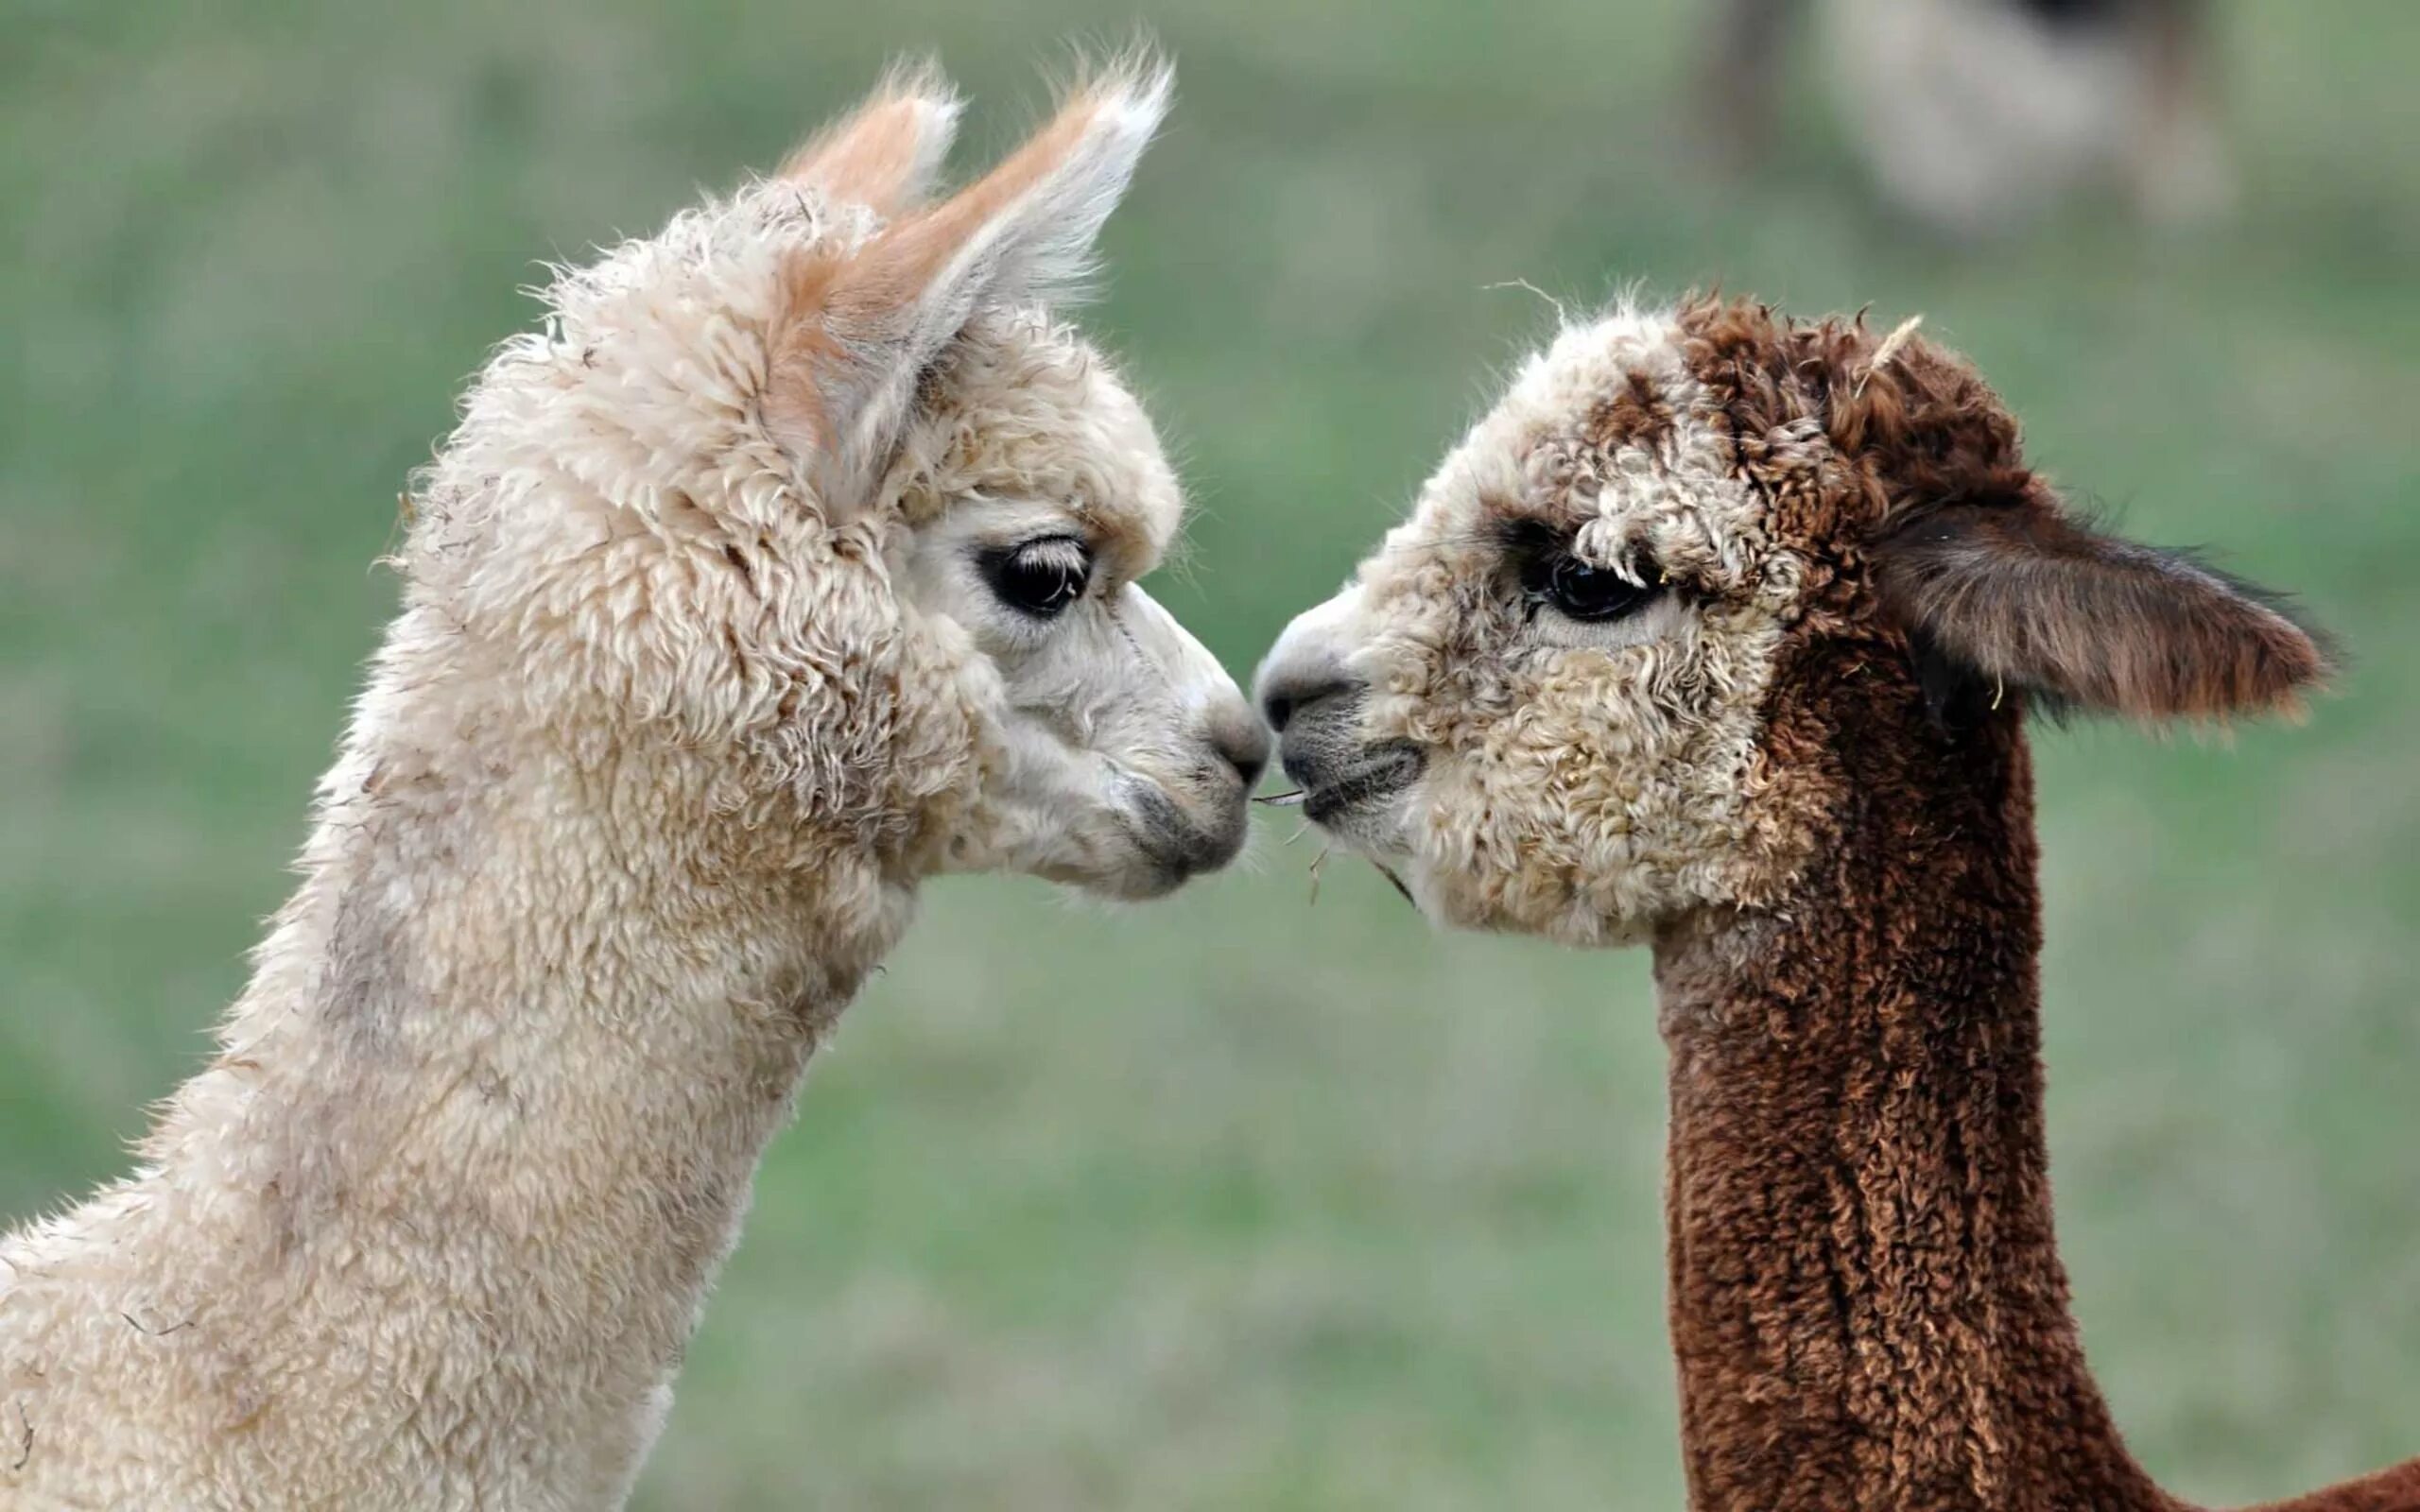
[1967,546]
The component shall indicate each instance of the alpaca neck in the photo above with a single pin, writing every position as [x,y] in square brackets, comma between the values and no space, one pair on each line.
[1867,1304]
[483,1130]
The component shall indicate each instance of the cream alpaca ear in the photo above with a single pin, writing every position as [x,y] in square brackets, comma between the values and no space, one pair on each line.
[871,324]
[886,153]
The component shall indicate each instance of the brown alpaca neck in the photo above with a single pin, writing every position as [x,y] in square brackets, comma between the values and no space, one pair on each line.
[1868,1307]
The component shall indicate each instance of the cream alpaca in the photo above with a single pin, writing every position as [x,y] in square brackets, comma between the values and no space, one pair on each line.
[793,562]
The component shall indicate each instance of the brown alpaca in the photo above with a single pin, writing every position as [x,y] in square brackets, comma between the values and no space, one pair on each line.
[1719,635]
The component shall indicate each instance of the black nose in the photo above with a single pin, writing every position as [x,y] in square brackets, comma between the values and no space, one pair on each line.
[1284,696]
[1242,744]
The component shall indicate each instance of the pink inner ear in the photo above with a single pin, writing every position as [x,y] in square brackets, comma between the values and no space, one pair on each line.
[2023,596]
[884,154]
[902,263]
[856,328]
[846,317]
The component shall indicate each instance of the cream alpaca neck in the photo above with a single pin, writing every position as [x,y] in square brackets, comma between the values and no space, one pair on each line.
[482,1131]
[701,665]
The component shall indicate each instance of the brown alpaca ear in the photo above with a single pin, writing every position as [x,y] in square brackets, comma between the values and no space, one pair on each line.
[2017,597]
[884,154]
[861,330]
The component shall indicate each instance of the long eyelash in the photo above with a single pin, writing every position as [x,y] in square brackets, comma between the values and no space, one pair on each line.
[1491,535]
[1531,538]
[991,558]
[1528,543]
[1065,550]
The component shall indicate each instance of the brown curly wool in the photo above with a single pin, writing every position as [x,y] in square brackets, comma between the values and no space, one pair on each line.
[1868,1307]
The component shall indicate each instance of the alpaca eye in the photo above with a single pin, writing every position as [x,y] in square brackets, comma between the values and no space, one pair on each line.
[1041,577]
[1583,592]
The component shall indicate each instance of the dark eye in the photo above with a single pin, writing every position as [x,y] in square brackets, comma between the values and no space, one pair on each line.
[1582,590]
[1039,577]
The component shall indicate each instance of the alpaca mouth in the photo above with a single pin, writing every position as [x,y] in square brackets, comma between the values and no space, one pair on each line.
[1333,801]
[1375,776]
[1175,843]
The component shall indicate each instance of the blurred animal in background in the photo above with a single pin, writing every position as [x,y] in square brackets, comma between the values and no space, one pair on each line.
[1721,634]
[1973,115]
[793,562]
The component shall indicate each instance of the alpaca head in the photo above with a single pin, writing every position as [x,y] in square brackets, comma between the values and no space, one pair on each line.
[1604,674]
[812,510]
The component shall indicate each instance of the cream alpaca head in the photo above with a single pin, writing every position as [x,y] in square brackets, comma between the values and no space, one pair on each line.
[1603,675]
[809,507]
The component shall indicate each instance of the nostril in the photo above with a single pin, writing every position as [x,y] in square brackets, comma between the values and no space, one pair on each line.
[1281,703]
[1243,745]
[1250,763]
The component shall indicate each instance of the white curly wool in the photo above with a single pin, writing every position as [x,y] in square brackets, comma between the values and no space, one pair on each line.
[681,704]
[1579,781]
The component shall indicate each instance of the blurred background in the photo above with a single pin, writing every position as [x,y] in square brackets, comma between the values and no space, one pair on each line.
[1250,1199]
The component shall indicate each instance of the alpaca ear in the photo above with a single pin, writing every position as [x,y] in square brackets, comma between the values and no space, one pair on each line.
[872,323]
[2017,597]
[884,154]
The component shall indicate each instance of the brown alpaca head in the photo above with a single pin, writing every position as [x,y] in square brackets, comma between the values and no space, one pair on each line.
[1571,693]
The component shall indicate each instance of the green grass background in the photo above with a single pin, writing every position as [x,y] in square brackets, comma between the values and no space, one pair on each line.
[1239,1200]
